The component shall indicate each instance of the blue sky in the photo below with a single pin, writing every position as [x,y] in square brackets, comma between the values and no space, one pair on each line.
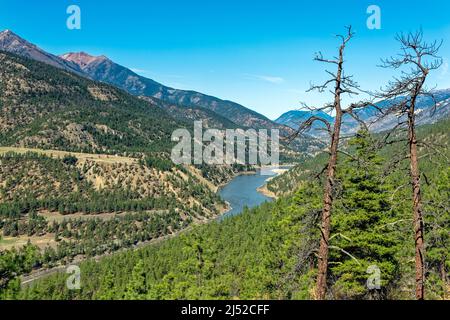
[257,53]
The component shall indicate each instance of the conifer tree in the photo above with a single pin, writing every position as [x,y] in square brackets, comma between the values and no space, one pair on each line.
[437,212]
[136,288]
[362,240]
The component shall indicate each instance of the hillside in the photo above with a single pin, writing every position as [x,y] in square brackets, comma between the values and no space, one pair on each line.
[83,65]
[184,106]
[288,182]
[45,107]
[209,118]
[275,257]
[85,168]
[74,206]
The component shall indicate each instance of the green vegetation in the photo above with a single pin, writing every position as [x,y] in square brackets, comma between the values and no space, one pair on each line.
[269,251]
[361,227]
[140,210]
[86,116]
[266,252]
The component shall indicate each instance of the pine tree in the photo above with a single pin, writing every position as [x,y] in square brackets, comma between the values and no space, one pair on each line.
[106,290]
[136,288]
[438,226]
[361,234]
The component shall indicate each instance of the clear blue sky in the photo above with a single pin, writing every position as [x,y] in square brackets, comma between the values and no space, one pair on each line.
[257,53]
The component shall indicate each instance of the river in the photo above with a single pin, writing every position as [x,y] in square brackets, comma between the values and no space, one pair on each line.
[242,191]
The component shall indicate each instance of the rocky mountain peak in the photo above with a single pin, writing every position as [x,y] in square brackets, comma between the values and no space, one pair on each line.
[11,42]
[82,59]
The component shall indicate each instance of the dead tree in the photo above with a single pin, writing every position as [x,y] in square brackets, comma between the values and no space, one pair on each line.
[341,84]
[416,60]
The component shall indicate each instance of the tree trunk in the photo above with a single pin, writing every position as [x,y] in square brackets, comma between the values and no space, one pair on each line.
[326,213]
[321,284]
[417,205]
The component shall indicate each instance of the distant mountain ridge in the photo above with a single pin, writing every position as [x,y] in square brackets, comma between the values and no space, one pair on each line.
[425,114]
[294,117]
[105,70]
[101,68]
[182,105]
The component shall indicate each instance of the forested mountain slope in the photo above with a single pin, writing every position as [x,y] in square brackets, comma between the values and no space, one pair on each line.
[63,184]
[269,252]
[182,105]
[45,107]
[438,134]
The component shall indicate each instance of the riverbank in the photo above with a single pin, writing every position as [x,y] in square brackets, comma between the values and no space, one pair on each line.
[264,190]
[247,191]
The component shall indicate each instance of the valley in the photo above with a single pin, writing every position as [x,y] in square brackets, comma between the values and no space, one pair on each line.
[235,196]
[87,178]
[255,254]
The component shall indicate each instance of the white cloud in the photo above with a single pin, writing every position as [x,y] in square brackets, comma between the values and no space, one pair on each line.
[137,70]
[271,79]
[444,68]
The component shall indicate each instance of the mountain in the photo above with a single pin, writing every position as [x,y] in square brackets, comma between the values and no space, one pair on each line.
[103,69]
[425,114]
[182,105]
[425,111]
[209,118]
[187,105]
[11,42]
[46,107]
[295,117]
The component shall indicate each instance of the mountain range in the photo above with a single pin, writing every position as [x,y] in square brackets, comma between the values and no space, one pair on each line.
[46,107]
[192,105]
[103,69]
[425,114]
[294,118]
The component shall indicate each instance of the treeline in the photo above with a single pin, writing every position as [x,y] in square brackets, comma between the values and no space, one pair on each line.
[34,182]
[30,181]
[99,202]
